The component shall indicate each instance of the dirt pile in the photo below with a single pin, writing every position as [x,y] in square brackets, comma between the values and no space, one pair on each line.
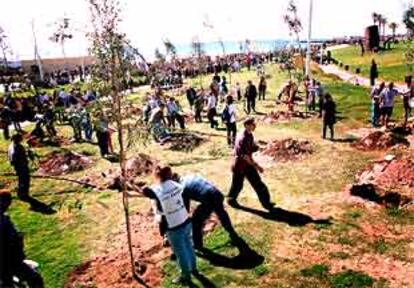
[139,165]
[284,116]
[55,142]
[397,172]
[379,140]
[59,163]
[183,142]
[287,149]
[113,270]
[388,182]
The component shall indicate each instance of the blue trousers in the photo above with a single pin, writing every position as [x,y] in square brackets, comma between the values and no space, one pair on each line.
[375,113]
[182,246]
[87,129]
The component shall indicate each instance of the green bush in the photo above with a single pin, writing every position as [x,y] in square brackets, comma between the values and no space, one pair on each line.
[319,271]
[351,279]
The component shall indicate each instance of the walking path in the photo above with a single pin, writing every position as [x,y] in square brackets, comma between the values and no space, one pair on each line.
[352,78]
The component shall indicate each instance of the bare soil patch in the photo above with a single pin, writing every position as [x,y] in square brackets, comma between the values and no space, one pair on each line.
[113,269]
[388,182]
[60,163]
[139,165]
[183,142]
[285,116]
[287,149]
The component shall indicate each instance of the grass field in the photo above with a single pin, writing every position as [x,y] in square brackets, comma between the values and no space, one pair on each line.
[85,218]
[391,63]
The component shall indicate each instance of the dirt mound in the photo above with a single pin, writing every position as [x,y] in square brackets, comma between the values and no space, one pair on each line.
[183,142]
[114,268]
[139,165]
[388,182]
[389,174]
[58,163]
[287,149]
[284,116]
[55,142]
[379,140]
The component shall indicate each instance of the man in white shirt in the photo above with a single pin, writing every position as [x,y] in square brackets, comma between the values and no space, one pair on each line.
[211,110]
[229,118]
[387,98]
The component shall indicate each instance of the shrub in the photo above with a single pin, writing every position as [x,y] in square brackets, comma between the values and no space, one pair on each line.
[351,279]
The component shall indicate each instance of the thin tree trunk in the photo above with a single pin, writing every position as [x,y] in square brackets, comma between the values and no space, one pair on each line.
[117,97]
[6,63]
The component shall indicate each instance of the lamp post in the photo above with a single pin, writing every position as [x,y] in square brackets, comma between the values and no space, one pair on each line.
[308,52]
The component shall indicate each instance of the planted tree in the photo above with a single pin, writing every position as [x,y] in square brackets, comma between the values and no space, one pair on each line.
[198,52]
[295,27]
[170,48]
[112,52]
[4,47]
[62,34]
[408,20]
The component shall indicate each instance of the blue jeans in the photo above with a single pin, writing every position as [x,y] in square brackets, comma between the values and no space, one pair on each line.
[182,246]
[87,128]
[375,111]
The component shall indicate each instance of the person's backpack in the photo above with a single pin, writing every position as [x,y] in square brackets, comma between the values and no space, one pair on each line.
[226,116]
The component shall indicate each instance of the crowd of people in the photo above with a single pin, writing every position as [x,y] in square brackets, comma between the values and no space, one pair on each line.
[163,114]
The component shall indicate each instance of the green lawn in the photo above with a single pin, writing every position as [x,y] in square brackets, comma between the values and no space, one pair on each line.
[85,219]
[391,63]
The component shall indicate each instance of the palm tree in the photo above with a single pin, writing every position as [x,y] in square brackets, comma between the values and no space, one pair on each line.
[3,46]
[375,17]
[382,21]
[393,26]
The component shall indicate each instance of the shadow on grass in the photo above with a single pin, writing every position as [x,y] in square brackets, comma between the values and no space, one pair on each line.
[246,259]
[37,206]
[205,282]
[280,215]
[369,192]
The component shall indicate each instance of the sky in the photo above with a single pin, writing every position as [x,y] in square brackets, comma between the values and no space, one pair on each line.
[147,22]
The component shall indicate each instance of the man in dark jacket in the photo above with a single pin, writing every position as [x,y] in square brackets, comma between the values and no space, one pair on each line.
[329,116]
[244,166]
[251,94]
[373,73]
[19,160]
[5,121]
[191,96]
[12,253]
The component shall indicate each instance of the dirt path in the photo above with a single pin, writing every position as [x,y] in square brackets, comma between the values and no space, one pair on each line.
[350,77]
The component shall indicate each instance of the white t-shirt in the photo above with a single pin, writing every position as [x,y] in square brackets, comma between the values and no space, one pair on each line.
[232,112]
[170,196]
[388,96]
[211,102]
